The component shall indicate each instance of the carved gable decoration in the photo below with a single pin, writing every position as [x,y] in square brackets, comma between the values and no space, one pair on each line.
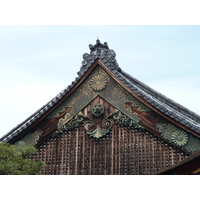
[129,112]
[109,120]
[106,88]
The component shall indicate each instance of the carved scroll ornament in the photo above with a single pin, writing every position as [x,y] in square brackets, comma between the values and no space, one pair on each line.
[100,129]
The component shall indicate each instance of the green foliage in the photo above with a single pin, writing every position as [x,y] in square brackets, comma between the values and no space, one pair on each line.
[15,160]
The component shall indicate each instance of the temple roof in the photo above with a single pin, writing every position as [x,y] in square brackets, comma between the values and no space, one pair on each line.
[108,56]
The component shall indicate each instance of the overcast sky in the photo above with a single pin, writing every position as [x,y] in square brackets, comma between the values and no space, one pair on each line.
[38,62]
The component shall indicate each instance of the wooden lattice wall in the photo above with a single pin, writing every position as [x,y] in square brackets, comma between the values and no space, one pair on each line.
[122,151]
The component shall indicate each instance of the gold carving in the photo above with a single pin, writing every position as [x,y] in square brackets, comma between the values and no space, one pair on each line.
[180,138]
[98,82]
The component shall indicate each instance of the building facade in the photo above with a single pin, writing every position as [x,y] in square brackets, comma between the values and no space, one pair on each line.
[109,123]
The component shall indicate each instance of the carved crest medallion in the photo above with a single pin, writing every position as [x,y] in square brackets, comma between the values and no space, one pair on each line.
[98,82]
[97,110]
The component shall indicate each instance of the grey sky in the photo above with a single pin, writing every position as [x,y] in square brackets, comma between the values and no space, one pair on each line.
[38,62]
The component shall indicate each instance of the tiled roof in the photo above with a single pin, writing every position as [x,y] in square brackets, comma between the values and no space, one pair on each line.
[107,56]
[162,103]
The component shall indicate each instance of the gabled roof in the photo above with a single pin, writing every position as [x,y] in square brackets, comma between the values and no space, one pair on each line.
[107,57]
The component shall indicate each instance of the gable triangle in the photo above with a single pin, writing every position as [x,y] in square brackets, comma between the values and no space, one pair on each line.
[107,122]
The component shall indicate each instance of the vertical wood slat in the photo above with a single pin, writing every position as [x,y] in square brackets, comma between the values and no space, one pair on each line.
[115,151]
[64,153]
[140,157]
[119,146]
[112,152]
[105,158]
[122,151]
[83,153]
[76,162]
[69,160]
[58,154]
[145,160]
[93,165]
[90,156]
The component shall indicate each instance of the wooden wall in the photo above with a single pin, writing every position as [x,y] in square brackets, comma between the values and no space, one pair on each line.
[122,151]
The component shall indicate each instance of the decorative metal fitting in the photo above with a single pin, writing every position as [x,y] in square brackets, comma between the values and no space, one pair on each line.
[97,110]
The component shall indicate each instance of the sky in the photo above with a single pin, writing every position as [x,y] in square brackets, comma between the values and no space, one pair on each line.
[38,62]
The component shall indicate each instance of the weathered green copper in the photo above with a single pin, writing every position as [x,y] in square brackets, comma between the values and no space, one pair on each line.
[122,120]
[30,139]
[193,144]
[112,93]
[179,137]
[97,110]
[99,83]
[98,132]
[167,130]
[75,122]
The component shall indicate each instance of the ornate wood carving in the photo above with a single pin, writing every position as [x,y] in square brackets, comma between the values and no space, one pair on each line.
[130,112]
[179,137]
[101,128]
[172,133]
[97,110]
[98,82]
[98,130]
[30,139]
[98,124]
[75,122]
[122,120]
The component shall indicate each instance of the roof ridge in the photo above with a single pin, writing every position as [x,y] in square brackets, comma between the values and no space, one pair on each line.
[100,51]
[108,57]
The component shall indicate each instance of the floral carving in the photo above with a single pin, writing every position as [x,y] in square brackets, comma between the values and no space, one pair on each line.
[30,139]
[180,138]
[122,120]
[167,130]
[98,82]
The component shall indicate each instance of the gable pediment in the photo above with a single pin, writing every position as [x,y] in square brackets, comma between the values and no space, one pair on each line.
[100,84]
[109,111]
